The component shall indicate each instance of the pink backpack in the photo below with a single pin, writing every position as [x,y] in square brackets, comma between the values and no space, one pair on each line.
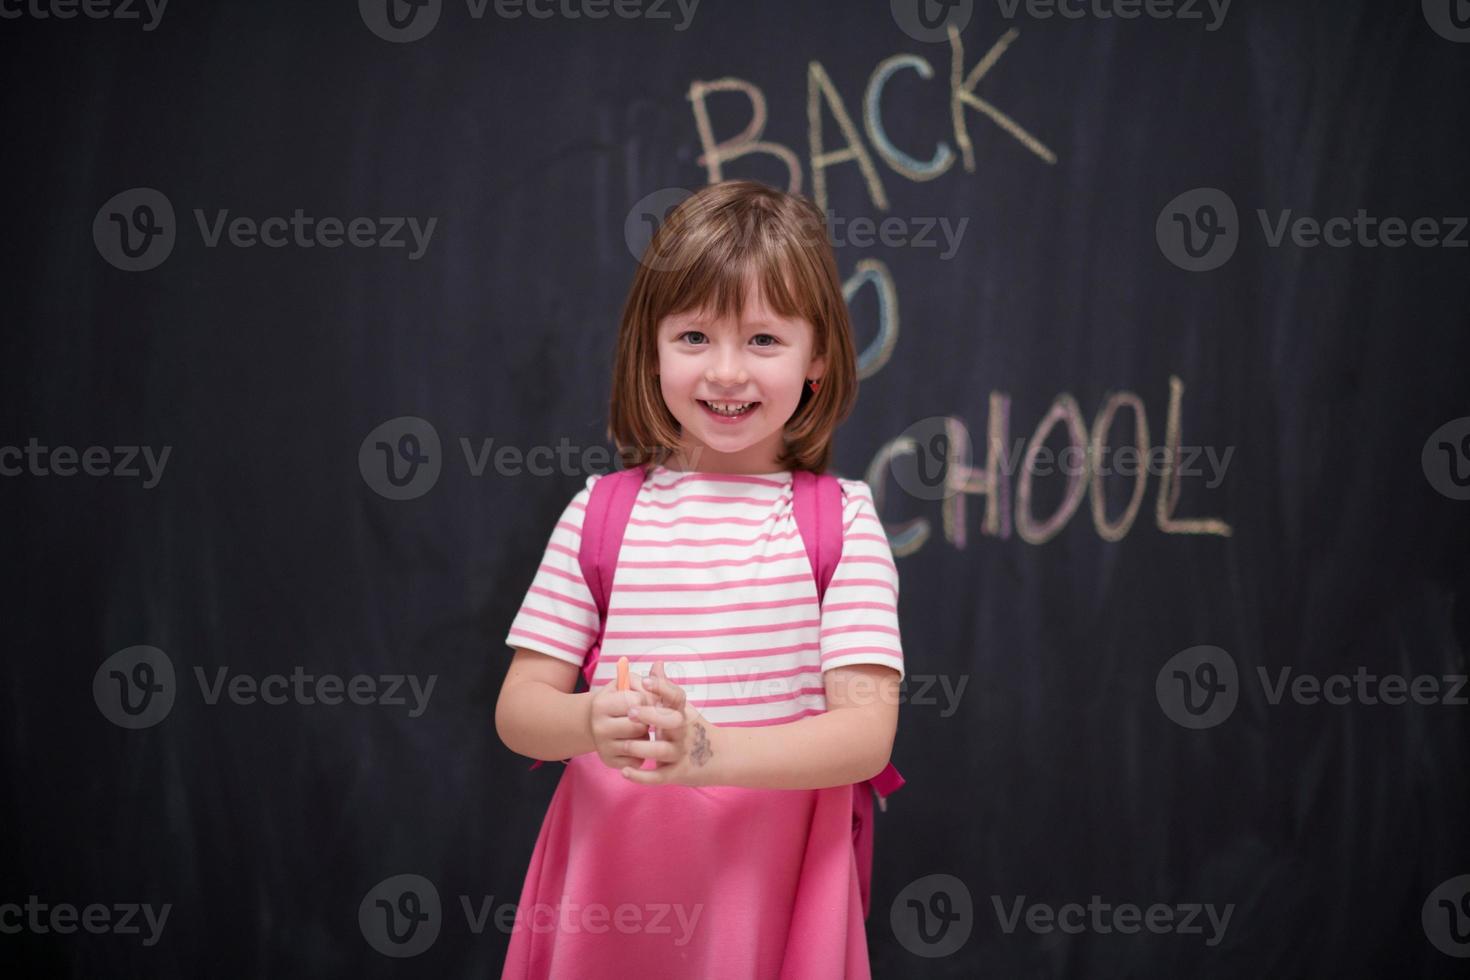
[817,501]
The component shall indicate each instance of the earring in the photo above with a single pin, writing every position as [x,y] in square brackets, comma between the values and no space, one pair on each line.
[814,385]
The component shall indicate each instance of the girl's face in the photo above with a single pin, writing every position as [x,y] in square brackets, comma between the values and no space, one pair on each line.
[761,360]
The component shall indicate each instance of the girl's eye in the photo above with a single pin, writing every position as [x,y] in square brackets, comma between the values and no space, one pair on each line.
[698,334]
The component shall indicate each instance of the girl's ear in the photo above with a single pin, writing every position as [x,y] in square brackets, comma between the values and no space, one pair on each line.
[816,368]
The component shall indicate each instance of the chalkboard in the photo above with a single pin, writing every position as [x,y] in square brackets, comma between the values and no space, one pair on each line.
[1162,318]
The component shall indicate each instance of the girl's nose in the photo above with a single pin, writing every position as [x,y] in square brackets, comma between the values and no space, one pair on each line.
[727,372]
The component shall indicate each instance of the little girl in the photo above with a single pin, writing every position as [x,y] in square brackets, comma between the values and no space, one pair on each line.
[722,847]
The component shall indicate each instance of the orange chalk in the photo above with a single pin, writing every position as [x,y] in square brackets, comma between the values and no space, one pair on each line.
[623,683]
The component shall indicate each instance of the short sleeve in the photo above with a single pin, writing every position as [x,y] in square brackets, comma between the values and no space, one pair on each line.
[559,616]
[860,609]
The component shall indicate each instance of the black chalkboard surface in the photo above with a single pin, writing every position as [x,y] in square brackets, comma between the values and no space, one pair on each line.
[1162,316]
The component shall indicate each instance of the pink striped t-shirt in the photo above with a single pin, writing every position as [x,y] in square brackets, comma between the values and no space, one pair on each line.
[713,579]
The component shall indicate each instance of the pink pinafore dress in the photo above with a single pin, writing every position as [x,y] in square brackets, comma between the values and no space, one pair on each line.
[686,883]
[682,882]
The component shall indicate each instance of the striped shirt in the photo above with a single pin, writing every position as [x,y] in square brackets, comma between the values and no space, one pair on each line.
[714,580]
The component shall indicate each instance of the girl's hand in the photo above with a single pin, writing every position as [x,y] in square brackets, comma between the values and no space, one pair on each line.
[685,748]
[612,729]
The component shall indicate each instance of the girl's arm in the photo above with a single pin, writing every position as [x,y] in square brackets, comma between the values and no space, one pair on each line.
[850,743]
[537,715]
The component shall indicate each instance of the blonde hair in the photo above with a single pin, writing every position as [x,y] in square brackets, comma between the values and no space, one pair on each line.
[700,258]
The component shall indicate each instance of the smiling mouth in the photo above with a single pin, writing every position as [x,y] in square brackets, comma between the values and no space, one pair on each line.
[729,410]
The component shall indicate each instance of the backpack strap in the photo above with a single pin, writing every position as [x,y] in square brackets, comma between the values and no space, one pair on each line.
[608,508]
[817,504]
